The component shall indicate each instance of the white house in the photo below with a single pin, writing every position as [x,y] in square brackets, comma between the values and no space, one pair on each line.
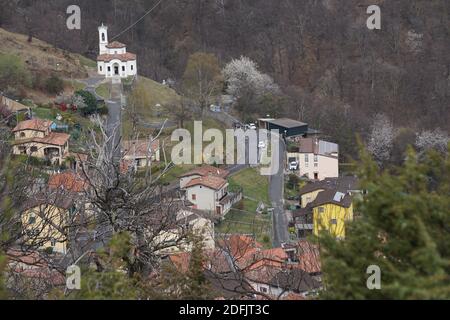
[113,59]
[188,220]
[207,190]
[202,171]
[317,159]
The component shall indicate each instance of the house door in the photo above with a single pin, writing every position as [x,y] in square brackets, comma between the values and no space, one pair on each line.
[316,176]
[219,210]
[116,70]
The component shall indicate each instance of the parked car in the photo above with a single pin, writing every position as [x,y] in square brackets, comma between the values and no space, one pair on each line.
[293,165]
[237,125]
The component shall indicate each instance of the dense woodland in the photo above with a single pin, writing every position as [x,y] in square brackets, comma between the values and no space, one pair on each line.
[334,72]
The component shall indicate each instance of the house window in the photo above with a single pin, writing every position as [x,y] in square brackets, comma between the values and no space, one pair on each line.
[321,209]
[194,197]
[333,221]
[23,150]
[123,68]
[53,242]
[103,37]
[32,220]
[132,67]
[316,158]
[306,158]
[34,149]
[22,134]
[263,289]
[109,68]
[101,68]
[316,164]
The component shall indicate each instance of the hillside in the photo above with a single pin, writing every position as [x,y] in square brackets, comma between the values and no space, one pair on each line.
[42,57]
[336,74]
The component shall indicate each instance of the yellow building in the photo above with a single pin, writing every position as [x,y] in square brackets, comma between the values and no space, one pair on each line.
[45,221]
[332,210]
[309,192]
[35,138]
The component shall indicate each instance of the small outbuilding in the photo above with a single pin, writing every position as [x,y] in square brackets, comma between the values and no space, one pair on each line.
[288,127]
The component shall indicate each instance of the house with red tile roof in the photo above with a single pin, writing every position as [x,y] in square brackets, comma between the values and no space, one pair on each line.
[35,138]
[207,189]
[141,152]
[291,271]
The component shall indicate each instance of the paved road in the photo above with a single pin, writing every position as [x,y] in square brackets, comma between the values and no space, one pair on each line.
[114,119]
[276,194]
[91,84]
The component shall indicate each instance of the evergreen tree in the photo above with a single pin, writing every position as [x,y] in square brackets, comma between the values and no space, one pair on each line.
[403,226]
[178,282]
[109,280]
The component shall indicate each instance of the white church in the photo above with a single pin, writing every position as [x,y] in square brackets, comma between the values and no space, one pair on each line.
[113,59]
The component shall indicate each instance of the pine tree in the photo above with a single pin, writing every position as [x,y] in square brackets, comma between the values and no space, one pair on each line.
[403,227]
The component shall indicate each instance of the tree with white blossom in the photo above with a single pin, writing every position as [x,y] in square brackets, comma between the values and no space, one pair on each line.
[437,139]
[248,85]
[242,75]
[381,139]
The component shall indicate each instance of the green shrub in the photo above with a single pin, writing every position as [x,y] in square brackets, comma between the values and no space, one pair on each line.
[13,73]
[54,85]
[90,101]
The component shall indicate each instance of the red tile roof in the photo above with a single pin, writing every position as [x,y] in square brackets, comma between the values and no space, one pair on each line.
[122,57]
[240,246]
[54,138]
[139,148]
[212,182]
[68,181]
[309,256]
[206,171]
[116,45]
[34,124]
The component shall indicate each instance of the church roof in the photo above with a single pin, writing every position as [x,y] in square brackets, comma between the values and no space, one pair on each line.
[115,45]
[122,57]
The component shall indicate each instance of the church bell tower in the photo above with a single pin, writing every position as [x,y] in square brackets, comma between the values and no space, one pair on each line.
[103,37]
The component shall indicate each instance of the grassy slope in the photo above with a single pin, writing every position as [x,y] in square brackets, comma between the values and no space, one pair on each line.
[244,220]
[41,56]
[158,94]
[42,59]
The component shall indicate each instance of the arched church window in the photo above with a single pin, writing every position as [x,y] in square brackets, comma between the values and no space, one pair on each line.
[103,37]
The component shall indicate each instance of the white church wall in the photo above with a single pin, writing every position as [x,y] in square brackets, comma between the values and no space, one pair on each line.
[115,67]
[117,51]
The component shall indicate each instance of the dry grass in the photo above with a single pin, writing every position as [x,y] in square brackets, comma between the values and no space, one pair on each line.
[40,56]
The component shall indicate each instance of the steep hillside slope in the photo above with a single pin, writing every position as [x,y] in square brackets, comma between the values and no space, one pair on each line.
[41,57]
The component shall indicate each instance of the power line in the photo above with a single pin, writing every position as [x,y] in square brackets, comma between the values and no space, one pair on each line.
[139,20]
